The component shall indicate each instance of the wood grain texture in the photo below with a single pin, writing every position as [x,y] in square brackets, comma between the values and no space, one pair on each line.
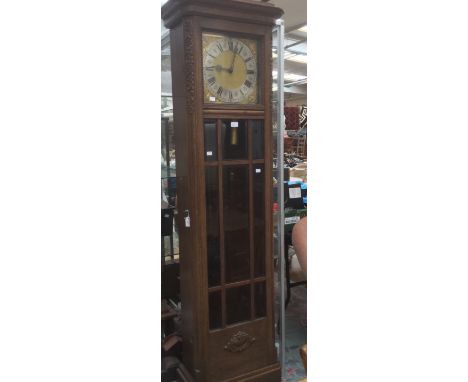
[204,351]
[253,12]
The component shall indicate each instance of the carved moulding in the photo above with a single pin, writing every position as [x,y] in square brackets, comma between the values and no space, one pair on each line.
[239,342]
[189,65]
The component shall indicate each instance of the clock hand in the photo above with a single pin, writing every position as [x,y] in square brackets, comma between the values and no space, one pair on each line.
[231,69]
[218,68]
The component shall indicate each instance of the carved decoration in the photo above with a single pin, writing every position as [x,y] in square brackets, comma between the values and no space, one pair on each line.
[269,67]
[189,65]
[239,342]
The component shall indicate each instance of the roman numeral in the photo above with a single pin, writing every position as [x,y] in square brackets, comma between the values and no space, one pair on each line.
[248,83]
[230,95]
[250,71]
[211,80]
[233,46]
[220,47]
[220,91]
[209,54]
[248,59]
[209,68]
[240,49]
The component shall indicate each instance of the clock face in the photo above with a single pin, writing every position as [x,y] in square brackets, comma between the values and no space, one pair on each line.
[230,70]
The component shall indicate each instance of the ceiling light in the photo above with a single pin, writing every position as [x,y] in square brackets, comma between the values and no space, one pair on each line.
[297,58]
[289,76]
[293,77]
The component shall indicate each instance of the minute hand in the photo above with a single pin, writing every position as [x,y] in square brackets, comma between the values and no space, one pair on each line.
[231,69]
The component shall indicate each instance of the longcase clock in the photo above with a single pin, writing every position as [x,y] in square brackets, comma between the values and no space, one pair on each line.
[221,73]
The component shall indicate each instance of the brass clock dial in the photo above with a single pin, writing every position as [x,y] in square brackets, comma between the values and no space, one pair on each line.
[230,70]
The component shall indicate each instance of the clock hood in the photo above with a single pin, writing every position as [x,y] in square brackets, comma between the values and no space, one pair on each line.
[257,12]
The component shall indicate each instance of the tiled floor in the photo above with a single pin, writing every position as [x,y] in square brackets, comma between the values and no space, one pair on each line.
[295,333]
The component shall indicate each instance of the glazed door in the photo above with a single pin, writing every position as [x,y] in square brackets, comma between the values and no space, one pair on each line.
[237,221]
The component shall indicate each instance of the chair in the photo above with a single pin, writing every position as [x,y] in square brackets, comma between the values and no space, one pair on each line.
[289,283]
[300,146]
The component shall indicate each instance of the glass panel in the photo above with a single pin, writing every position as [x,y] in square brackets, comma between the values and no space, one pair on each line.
[236,223]
[237,304]
[166,74]
[169,243]
[259,219]
[257,139]
[215,310]
[167,128]
[235,144]
[260,299]
[277,126]
[212,225]
[169,191]
[211,140]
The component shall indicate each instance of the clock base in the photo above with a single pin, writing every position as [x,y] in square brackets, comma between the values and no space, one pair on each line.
[267,374]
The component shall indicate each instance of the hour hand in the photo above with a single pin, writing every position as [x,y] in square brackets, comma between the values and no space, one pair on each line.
[218,68]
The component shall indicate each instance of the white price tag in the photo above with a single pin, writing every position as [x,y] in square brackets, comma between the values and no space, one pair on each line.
[291,220]
[209,153]
[294,193]
[235,124]
[212,99]
[187,221]
[258,170]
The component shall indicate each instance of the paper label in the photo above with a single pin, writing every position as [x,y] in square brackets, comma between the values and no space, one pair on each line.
[294,193]
[187,221]
[209,153]
[234,124]
[291,219]
[212,99]
[258,170]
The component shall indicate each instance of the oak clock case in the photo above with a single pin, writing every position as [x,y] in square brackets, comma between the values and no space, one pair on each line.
[222,118]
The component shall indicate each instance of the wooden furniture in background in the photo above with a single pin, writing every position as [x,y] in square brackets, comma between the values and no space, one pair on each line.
[301,146]
[303,352]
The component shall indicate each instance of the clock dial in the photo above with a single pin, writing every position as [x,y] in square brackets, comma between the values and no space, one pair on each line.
[230,70]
